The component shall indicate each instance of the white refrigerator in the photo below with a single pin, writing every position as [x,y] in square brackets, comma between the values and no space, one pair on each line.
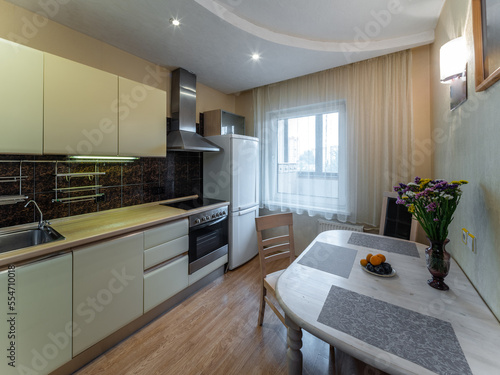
[232,175]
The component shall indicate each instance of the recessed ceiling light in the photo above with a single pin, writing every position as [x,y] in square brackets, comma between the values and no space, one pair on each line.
[174,21]
[255,56]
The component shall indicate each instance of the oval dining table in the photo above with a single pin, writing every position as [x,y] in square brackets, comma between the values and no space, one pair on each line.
[397,324]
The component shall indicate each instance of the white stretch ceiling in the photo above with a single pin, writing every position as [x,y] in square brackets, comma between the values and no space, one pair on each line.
[216,38]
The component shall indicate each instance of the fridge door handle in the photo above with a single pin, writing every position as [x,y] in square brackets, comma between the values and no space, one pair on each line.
[246,207]
[248,210]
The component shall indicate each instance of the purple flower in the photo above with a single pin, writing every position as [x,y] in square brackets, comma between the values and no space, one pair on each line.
[431,207]
[436,219]
[417,180]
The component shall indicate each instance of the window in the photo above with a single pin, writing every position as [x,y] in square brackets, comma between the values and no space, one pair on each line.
[310,143]
[310,149]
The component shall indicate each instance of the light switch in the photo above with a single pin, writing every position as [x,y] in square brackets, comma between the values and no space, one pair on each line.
[471,243]
[465,235]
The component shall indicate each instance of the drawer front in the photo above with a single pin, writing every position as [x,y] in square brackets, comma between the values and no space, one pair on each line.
[165,251]
[165,282]
[165,233]
[201,273]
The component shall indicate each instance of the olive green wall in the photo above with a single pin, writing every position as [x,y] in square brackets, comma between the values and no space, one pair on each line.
[466,143]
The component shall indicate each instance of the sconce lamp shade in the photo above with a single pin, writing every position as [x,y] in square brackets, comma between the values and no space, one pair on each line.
[453,59]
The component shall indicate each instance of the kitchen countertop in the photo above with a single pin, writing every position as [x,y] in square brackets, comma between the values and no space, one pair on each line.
[88,228]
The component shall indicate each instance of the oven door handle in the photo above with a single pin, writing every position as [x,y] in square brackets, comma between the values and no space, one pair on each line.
[210,223]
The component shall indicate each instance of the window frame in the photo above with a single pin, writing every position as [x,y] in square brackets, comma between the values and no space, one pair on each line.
[338,201]
[341,110]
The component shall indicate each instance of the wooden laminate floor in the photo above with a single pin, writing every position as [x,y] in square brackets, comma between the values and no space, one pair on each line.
[214,331]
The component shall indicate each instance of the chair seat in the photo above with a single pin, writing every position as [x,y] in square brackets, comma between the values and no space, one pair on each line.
[272,278]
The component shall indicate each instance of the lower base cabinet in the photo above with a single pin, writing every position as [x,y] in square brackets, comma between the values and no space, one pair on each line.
[164,282]
[36,316]
[107,288]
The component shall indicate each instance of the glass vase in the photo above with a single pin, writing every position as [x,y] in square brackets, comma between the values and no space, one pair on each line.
[438,263]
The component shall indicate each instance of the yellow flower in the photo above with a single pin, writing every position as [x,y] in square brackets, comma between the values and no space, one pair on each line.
[424,182]
[463,182]
[411,208]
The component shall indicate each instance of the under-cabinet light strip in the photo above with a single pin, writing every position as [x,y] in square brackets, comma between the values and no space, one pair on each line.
[85,157]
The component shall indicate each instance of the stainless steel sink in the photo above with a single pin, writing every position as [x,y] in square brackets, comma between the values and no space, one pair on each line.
[29,237]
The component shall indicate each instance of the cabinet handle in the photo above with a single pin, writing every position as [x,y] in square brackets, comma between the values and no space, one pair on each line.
[165,263]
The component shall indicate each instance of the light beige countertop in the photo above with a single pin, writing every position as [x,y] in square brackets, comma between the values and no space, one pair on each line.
[89,228]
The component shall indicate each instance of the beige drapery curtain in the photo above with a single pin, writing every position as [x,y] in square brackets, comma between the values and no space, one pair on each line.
[378,145]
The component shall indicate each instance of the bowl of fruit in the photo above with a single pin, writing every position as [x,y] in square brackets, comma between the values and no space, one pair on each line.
[377,265]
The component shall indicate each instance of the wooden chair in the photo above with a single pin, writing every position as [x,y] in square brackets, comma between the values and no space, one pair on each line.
[395,220]
[271,250]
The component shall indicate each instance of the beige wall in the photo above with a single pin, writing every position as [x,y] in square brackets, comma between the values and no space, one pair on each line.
[421,117]
[208,99]
[421,110]
[244,107]
[467,147]
[25,27]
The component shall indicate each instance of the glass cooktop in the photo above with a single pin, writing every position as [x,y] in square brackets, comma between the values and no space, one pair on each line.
[193,203]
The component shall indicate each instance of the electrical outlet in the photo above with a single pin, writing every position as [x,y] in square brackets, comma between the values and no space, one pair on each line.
[465,235]
[471,243]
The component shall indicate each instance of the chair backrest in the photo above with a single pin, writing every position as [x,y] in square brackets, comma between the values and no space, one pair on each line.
[395,220]
[275,248]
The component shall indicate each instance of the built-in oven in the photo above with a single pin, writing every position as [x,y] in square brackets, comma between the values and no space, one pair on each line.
[208,231]
[208,237]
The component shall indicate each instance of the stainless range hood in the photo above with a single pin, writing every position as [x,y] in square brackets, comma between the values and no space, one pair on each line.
[182,135]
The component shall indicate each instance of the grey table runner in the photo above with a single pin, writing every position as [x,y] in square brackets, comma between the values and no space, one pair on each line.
[421,339]
[383,243]
[330,258]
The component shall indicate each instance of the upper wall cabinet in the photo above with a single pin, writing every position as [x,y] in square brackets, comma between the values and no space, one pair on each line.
[80,109]
[21,99]
[219,122]
[142,118]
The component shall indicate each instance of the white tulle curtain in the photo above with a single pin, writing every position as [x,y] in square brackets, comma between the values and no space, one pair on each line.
[332,142]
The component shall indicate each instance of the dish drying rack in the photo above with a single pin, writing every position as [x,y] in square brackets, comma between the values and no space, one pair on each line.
[13,199]
[68,190]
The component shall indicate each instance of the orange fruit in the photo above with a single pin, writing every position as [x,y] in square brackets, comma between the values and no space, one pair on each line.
[375,260]
[382,256]
[363,262]
[368,257]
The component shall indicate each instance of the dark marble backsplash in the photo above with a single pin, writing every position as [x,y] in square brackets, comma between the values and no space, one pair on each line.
[124,184]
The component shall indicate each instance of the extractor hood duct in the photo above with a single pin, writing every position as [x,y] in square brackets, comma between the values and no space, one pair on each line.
[182,135]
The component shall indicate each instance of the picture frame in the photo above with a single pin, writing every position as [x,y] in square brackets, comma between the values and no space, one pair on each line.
[486,35]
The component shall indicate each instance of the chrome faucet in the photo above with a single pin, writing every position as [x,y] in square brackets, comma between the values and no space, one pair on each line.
[41,224]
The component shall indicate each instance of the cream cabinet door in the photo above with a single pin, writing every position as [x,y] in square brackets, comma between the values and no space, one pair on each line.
[36,316]
[164,282]
[142,120]
[107,288]
[80,109]
[21,99]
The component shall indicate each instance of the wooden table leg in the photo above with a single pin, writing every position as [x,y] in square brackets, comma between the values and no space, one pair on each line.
[294,341]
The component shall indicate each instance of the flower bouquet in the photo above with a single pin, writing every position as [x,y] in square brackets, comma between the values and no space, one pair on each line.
[433,203]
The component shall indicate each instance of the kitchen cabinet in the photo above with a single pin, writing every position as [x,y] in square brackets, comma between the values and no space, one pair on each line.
[164,282]
[165,262]
[80,109]
[107,288]
[219,122]
[21,99]
[142,120]
[38,333]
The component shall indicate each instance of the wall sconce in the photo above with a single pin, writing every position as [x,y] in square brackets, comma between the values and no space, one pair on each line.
[453,70]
